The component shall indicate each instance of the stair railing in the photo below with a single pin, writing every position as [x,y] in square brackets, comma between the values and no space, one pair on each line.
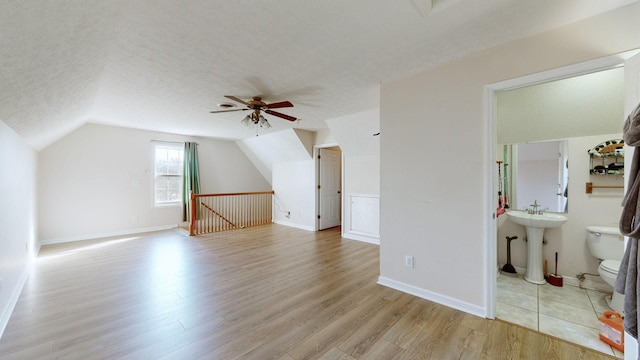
[218,212]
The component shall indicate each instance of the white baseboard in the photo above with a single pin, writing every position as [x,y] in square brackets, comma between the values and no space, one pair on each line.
[572,281]
[294,225]
[106,234]
[13,300]
[435,297]
[364,238]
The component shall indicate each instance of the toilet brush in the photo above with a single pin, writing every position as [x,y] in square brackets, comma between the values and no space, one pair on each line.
[555,279]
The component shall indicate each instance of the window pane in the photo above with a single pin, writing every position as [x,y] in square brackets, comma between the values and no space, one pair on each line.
[168,174]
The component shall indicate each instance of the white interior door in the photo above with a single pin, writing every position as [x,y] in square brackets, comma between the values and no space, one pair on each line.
[329,188]
[631,100]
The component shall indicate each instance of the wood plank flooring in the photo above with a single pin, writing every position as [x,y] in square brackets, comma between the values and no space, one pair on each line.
[268,292]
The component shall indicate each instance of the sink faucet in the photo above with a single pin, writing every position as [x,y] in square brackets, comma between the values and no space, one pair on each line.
[534,208]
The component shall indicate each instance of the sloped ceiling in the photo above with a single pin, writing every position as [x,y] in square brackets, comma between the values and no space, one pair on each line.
[586,105]
[163,65]
[279,147]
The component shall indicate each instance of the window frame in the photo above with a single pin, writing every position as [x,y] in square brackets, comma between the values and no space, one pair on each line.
[180,175]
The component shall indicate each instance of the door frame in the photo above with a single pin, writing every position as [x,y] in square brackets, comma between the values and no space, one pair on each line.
[569,71]
[316,152]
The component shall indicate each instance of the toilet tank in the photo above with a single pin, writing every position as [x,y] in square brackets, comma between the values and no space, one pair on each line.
[605,242]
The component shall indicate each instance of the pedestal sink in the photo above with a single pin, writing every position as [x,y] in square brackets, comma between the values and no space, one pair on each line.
[535,225]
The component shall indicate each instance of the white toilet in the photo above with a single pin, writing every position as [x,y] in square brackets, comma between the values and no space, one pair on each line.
[607,244]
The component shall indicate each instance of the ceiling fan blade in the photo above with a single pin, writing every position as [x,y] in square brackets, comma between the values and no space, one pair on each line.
[236,99]
[284,116]
[221,111]
[280,104]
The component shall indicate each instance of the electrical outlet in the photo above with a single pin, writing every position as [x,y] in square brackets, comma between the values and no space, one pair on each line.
[288,214]
[408,261]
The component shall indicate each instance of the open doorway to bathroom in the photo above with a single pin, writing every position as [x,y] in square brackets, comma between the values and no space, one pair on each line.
[540,108]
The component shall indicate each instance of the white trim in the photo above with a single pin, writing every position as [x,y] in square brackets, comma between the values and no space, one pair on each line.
[361,237]
[571,281]
[294,225]
[565,72]
[106,234]
[490,121]
[13,300]
[433,296]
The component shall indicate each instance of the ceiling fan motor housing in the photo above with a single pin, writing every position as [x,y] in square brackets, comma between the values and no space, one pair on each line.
[257,104]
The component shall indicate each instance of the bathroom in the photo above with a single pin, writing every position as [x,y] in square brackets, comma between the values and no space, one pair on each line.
[578,113]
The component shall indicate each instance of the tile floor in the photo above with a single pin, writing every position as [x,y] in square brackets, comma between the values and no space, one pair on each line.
[566,312]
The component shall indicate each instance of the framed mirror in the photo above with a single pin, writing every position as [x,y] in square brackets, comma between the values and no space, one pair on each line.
[539,173]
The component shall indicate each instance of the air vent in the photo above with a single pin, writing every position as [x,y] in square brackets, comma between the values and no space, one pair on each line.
[226,105]
[429,7]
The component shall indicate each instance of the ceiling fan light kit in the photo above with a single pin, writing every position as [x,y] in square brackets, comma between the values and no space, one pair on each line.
[255,119]
[256,105]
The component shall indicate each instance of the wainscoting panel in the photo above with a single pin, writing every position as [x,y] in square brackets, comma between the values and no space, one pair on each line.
[364,218]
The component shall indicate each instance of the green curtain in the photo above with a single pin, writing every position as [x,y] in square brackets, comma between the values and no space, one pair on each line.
[190,175]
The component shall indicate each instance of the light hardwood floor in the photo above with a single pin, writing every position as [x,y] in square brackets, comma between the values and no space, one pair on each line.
[269,292]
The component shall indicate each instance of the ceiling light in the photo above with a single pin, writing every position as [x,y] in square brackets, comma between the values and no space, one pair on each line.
[264,123]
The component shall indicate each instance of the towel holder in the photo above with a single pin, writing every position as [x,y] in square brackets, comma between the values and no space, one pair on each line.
[590,187]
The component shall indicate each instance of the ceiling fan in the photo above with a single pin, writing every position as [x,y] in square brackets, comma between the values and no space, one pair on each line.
[256,105]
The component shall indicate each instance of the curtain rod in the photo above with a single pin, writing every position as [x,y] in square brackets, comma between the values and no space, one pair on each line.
[170,142]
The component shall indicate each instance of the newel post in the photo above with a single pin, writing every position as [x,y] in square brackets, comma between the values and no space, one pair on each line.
[193,217]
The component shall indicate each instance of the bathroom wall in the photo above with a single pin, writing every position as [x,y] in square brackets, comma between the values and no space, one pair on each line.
[602,207]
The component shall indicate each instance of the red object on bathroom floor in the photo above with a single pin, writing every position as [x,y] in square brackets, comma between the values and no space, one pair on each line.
[555,279]
[611,329]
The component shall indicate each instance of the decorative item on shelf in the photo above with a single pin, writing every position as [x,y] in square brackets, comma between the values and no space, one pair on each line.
[607,158]
[602,154]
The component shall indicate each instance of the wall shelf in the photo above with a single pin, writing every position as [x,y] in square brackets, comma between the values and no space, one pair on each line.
[606,159]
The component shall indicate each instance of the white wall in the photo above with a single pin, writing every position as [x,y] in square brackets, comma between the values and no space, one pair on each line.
[98,180]
[294,181]
[17,217]
[434,158]
[578,106]
[284,158]
[294,187]
[361,166]
[265,151]
[602,208]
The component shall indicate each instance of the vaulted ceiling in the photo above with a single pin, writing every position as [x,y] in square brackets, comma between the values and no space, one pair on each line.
[163,65]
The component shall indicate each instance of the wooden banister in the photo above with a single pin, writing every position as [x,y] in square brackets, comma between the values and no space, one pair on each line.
[217,212]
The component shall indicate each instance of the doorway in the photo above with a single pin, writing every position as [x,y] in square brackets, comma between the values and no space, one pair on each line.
[491,106]
[329,187]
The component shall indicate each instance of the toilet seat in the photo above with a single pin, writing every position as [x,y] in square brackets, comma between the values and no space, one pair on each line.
[610,266]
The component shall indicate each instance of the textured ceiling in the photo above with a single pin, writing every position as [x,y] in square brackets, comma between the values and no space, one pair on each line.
[163,65]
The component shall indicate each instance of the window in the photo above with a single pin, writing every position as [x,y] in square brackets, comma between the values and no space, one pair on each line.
[168,174]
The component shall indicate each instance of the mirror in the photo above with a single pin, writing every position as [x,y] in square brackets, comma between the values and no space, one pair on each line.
[540,173]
